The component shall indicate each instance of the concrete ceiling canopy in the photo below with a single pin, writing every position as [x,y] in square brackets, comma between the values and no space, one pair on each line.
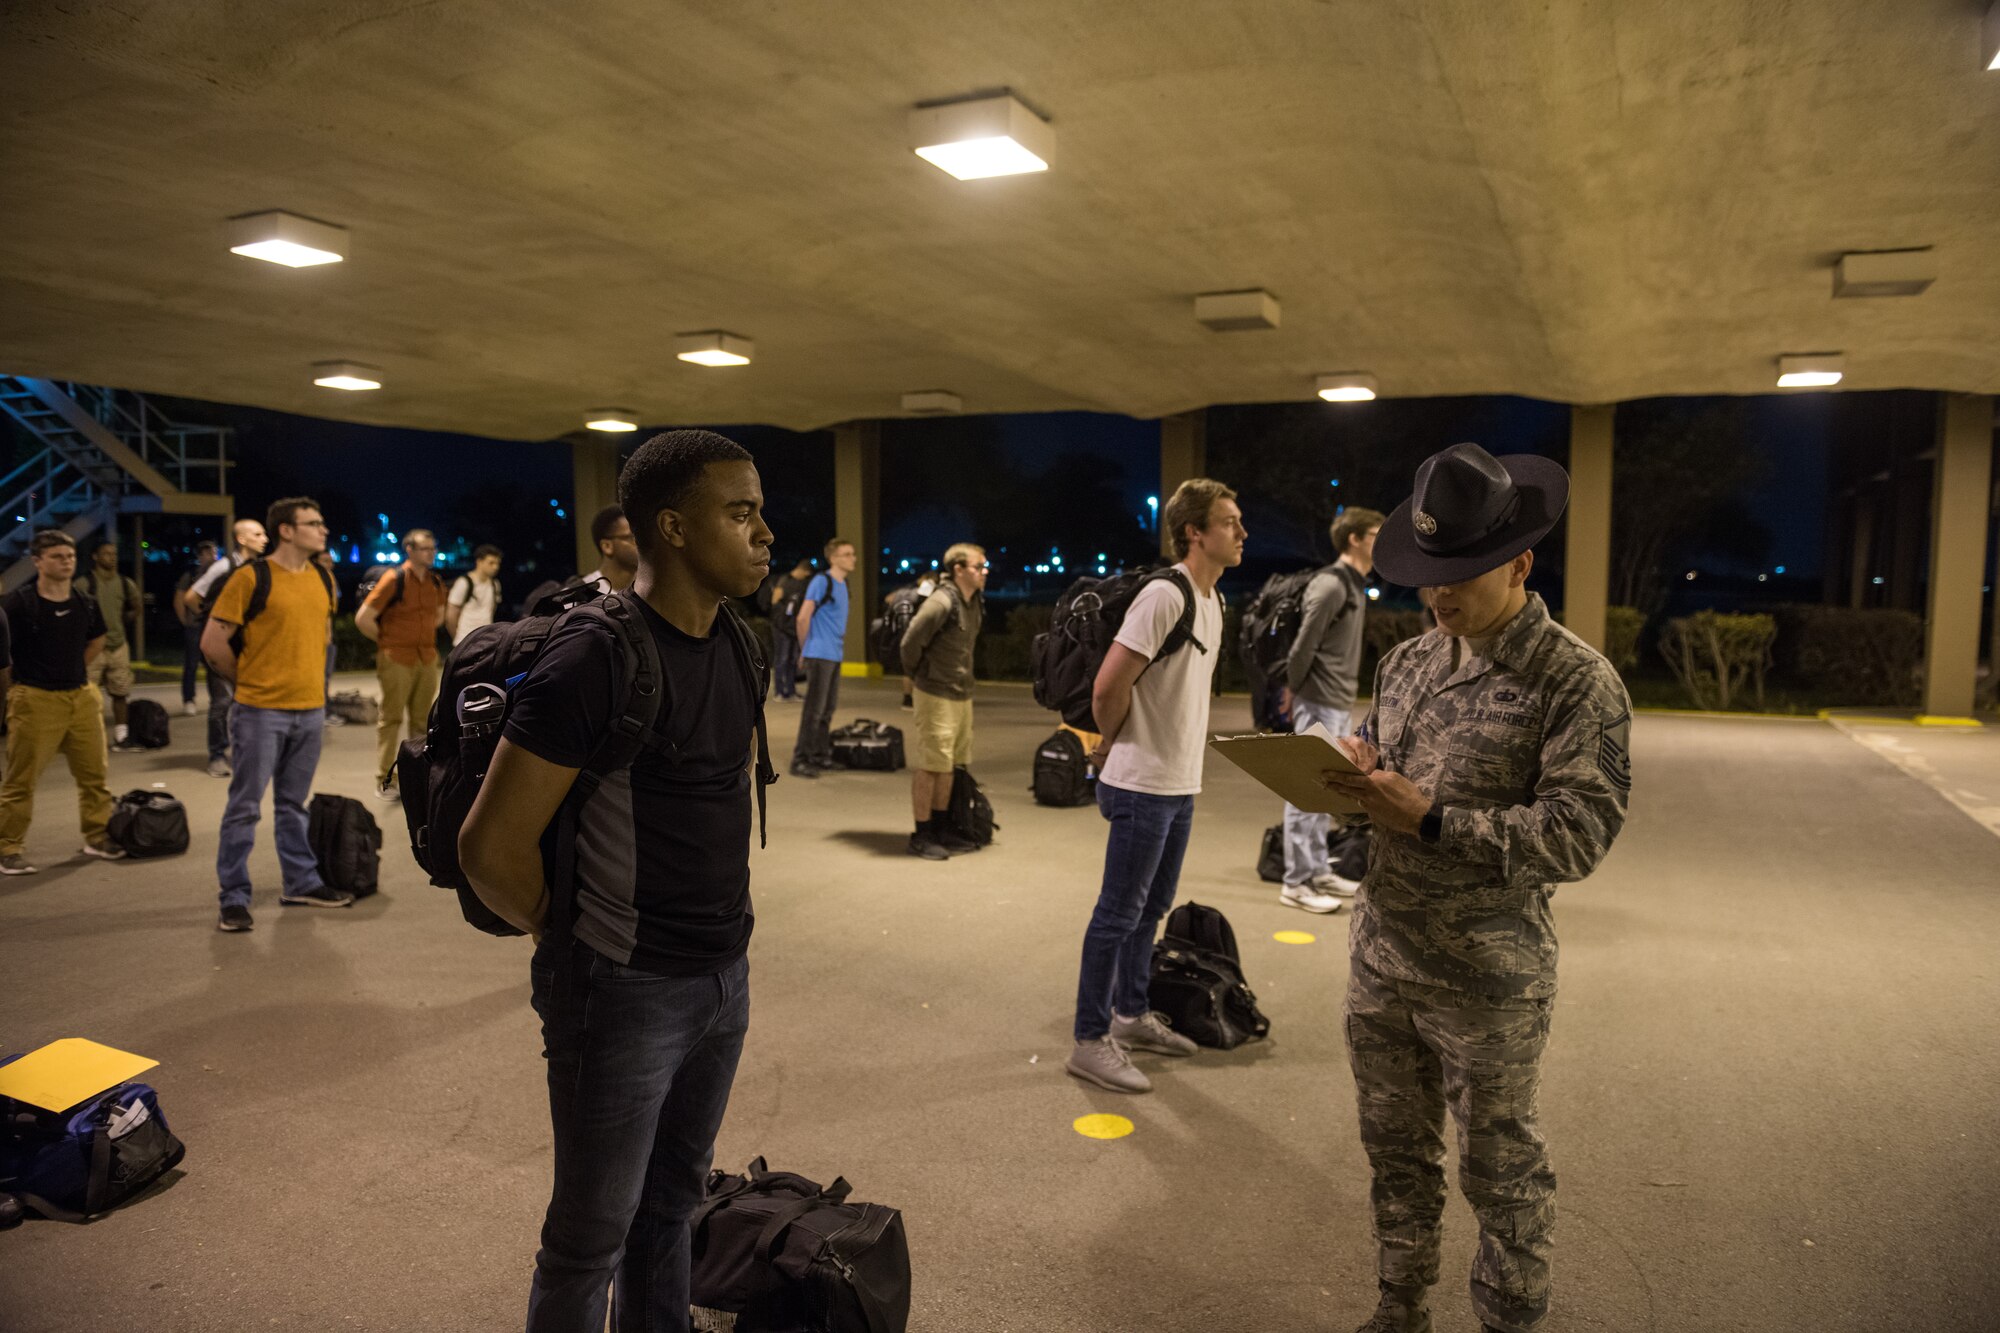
[1576,201]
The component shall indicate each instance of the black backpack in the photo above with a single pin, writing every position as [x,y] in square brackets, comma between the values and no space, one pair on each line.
[440,776]
[789,605]
[1270,623]
[149,823]
[867,744]
[1271,855]
[375,574]
[1062,772]
[970,815]
[885,632]
[1197,981]
[785,1255]
[347,843]
[1066,657]
[146,724]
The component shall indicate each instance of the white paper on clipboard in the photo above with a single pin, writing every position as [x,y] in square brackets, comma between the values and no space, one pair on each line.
[1290,765]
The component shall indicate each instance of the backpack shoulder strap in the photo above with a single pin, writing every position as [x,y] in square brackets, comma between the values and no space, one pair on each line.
[1183,630]
[397,595]
[326,582]
[260,591]
[760,684]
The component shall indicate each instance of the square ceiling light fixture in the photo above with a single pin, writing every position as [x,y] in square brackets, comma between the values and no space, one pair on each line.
[346,375]
[1810,370]
[713,348]
[1884,272]
[932,403]
[1347,387]
[991,135]
[288,239]
[613,419]
[1235,312]
[1989,35]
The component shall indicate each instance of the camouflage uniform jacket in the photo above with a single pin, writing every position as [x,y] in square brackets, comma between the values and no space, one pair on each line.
[1526,751]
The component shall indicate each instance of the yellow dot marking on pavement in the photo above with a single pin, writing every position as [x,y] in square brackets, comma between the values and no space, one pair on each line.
[1102,1126]
[1294,937]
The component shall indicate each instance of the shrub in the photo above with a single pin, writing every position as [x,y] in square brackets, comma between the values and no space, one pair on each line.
[1003,654]
[351,649]
[1859,657]
[1714,656]
[1622,627]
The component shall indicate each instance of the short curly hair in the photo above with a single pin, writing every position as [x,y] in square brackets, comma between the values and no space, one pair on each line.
[664,471]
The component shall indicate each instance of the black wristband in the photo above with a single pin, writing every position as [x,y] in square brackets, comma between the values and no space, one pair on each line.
[1432,829]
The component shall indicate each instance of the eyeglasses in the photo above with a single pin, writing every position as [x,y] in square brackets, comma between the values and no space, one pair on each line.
[419,546]
[979,569]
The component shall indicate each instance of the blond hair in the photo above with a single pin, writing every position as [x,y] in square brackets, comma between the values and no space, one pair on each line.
[835,545]
[961,553]
[1192,500]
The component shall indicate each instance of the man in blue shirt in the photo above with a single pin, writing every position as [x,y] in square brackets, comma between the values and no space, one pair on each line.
[822,634]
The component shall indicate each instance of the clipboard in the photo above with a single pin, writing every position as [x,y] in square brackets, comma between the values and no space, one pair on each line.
[1290,765]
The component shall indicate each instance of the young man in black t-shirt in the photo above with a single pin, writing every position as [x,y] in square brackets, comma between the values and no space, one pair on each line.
[641,981]
[53,632]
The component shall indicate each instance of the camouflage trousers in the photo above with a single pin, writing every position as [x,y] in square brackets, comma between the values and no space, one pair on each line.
[1414,1050]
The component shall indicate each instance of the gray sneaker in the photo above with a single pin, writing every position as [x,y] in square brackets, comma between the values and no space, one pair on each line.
[17,864]
[319,897]
[1149,1032]
[218,768]
[1105,1063]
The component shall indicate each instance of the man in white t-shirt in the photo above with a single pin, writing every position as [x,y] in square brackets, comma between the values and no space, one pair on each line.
[247,540]
[474,599]
[1151,703]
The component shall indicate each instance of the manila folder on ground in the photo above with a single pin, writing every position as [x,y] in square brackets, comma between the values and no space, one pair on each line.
[1290,765]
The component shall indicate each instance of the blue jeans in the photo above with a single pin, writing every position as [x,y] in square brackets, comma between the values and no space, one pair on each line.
[1142,869]
[640,1067]
[1305,834]
[784,663]
[276,748]
[220,696]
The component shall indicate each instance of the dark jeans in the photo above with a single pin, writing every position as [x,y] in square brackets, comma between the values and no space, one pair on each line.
[640,1067]
[816,714]
[784,662]
[1142,869]
[220,697]
[190,661]
[276,748]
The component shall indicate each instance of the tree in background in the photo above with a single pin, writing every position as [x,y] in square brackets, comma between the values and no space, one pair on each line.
[1680,479]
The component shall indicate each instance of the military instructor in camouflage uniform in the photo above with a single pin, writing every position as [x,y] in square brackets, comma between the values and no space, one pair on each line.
[1495,767]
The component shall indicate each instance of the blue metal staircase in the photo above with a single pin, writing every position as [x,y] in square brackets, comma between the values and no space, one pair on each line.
[90,454]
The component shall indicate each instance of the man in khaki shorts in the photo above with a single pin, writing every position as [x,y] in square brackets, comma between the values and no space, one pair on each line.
[937,656]
[117,597]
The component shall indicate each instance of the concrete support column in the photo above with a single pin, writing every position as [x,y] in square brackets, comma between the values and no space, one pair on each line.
[593,462]
[1864,548]
[857,502]
[1959,504]
[1587,562]
[1183,456]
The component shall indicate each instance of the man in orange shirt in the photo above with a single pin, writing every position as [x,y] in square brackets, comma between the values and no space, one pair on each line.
[402,615]
[284,605]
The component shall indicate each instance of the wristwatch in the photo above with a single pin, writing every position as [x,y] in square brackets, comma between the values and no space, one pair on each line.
[1432,829]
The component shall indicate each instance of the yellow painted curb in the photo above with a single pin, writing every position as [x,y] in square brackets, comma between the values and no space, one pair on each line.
[1102,1126]
[868,669]
[1294,937]
[1927,720]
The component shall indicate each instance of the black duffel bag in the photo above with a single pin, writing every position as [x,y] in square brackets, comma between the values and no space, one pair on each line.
[787,1256]
[149,823]
[867,744]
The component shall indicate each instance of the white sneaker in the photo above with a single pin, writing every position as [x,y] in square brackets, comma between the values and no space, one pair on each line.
[188,708]
[1328,882]
[1306,899]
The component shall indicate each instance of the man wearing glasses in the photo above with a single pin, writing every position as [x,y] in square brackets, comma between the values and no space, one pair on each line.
[283,606]
[402,615]
[937,656]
